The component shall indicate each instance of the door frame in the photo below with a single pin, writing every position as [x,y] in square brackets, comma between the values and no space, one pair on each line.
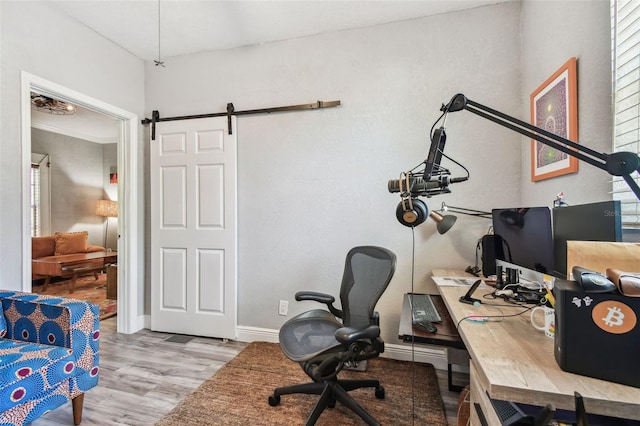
[128,321]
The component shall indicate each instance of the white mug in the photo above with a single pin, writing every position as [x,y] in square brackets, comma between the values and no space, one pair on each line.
[549,325]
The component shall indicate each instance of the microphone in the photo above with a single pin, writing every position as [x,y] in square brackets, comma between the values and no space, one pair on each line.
[418,186]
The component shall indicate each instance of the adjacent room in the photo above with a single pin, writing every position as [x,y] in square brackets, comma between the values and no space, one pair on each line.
[316,211]
[74,183]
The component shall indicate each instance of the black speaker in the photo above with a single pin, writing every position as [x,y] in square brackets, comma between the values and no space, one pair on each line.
[491,250]
[597,334]
[412,212]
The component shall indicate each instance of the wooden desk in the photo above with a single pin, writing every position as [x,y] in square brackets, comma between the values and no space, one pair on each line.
[446,335]
[71,265]
[514,362]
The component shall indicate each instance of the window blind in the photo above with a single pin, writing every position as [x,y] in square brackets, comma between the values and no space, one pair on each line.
[625,23]
[35,200]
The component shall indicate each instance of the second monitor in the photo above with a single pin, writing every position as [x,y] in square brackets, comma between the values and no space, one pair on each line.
[585,222]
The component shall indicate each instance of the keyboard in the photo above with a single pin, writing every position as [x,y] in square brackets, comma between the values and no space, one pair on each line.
[422,308]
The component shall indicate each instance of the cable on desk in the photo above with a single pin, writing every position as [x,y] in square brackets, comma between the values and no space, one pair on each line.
[507,299]
[501,317]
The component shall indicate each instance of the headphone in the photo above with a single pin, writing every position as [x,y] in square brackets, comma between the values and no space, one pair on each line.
[410,211]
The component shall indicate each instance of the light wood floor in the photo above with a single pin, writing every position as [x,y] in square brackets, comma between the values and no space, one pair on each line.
[143,376]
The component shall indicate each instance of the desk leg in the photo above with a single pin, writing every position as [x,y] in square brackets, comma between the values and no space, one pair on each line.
[452,387]
[458,357]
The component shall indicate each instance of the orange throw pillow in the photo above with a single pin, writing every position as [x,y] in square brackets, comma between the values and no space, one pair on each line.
[43,246]
[71,242]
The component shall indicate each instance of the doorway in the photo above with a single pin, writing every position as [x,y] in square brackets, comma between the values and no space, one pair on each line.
[128,320]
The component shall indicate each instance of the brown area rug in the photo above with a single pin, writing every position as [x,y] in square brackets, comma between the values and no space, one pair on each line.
[238,394]
[86,288]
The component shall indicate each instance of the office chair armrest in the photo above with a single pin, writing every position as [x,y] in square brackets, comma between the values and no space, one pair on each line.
[315,296]
[327,299]
[350,334]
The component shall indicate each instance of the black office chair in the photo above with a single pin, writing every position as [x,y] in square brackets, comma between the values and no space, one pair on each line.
[323,345]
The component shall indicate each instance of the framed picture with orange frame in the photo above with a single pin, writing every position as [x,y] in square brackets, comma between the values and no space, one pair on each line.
[554,107]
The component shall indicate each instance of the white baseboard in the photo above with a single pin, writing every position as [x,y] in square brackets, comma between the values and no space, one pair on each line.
[431,354]
[256,334]
[420,353]
[143,321]
[147,321]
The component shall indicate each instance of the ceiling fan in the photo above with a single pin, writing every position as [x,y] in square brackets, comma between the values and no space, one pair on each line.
[52,106]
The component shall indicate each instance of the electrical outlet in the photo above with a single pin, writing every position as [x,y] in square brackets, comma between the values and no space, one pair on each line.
[283,308]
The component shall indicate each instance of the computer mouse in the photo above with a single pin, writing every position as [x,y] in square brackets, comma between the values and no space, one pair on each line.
[425,326]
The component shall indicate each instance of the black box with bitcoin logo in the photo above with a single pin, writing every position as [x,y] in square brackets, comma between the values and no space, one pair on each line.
[597,334]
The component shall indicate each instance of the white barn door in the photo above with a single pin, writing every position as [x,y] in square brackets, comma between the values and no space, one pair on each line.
[193,228]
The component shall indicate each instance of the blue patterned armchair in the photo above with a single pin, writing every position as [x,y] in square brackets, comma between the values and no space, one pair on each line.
[48,355]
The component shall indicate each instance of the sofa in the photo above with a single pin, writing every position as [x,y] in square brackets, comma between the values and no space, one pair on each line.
[59,245]
[62,244]
[48,355]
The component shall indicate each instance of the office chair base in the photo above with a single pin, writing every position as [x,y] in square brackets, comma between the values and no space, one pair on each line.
[331,392]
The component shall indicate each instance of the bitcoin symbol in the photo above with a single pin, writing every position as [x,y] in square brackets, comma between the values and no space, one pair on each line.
[614,317]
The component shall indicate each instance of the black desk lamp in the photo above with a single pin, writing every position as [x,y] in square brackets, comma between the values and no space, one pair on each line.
[444,223]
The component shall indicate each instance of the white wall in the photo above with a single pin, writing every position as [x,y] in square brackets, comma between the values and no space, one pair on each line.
[68,54]
[581,29]
[314,184]
[77,183]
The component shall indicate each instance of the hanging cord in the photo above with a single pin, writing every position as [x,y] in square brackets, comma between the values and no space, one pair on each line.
[413,348]
[159,61]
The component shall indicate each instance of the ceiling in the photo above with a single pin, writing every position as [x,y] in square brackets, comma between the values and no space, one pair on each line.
[193,26]
[84,124]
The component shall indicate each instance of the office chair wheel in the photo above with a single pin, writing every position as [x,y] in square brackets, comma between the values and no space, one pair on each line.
[274,400]
[380,392]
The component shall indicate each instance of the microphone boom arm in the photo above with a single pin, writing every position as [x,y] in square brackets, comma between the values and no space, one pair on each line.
[616,164]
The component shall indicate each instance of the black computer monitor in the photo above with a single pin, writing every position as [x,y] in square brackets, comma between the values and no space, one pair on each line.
[527,237]
[584,222]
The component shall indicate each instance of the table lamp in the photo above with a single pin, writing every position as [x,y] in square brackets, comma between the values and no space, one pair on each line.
[107,208]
